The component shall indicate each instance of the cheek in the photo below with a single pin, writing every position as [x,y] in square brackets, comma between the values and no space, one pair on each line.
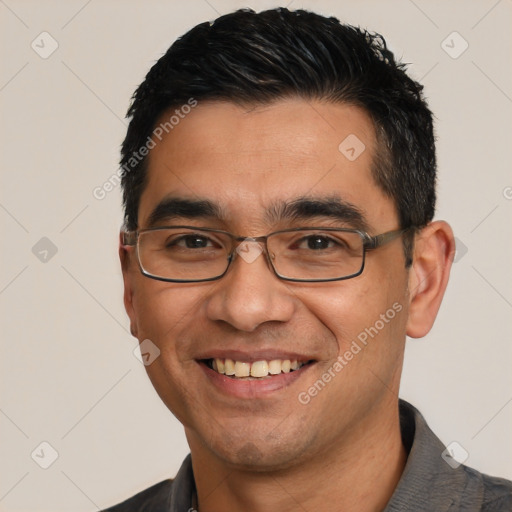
[163,308]
[165,314]
[361,311]
[343,308]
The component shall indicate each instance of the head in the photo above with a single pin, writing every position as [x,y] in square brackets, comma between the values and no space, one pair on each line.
[244,125]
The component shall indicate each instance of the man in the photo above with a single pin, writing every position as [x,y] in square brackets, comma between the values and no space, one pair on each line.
[279,189]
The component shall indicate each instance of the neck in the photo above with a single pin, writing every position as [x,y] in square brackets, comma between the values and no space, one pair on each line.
[358,473]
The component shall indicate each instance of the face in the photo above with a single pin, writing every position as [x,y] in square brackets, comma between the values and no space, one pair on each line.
[350,334]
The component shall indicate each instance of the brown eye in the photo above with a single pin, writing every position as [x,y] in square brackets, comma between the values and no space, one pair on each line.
[192,241]
[317,243]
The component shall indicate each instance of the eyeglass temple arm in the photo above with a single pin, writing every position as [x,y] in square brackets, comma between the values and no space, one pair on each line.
[376,241]
[128,237]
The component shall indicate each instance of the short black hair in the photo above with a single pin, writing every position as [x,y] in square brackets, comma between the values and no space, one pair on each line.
[256,58]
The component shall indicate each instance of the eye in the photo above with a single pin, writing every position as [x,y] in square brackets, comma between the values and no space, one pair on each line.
[193,241]
[317,242]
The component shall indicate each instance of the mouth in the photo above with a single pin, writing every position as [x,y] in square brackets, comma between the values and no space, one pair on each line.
[254,370]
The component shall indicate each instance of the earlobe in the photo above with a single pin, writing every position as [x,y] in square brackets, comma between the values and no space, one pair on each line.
[125,259]
[434,250]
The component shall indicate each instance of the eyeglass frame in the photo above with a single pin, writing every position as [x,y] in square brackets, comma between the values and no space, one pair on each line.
[370,243]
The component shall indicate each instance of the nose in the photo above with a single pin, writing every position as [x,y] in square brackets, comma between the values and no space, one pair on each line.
[250,294]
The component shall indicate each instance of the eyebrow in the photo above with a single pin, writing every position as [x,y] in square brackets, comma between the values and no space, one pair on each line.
[171,208]
[298,209]
[306,208]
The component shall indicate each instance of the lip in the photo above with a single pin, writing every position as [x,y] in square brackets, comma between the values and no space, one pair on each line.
[256,388]
[254,355]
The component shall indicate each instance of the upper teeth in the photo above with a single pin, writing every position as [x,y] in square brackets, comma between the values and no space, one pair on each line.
[255,369]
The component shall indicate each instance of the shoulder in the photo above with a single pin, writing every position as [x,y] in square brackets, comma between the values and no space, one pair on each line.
[175,494]
[433,480]
[495,493]
[154,498]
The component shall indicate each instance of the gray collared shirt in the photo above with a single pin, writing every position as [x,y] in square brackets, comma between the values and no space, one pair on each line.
[428,484]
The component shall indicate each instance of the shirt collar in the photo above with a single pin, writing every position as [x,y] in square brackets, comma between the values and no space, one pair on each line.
[428,482]
[183,493]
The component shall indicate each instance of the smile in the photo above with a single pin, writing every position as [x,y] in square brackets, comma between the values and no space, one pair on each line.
[253,370]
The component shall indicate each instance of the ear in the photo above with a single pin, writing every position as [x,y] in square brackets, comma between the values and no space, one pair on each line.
[434,250]
[126,255]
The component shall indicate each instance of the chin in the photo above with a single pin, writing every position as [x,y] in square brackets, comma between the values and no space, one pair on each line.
[259,453]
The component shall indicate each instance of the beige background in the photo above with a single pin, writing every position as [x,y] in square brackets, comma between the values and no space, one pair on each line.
[68,373]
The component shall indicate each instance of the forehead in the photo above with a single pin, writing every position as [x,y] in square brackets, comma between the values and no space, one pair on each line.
[248,158]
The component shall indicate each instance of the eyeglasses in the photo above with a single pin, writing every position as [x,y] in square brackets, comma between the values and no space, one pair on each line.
[186,254]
